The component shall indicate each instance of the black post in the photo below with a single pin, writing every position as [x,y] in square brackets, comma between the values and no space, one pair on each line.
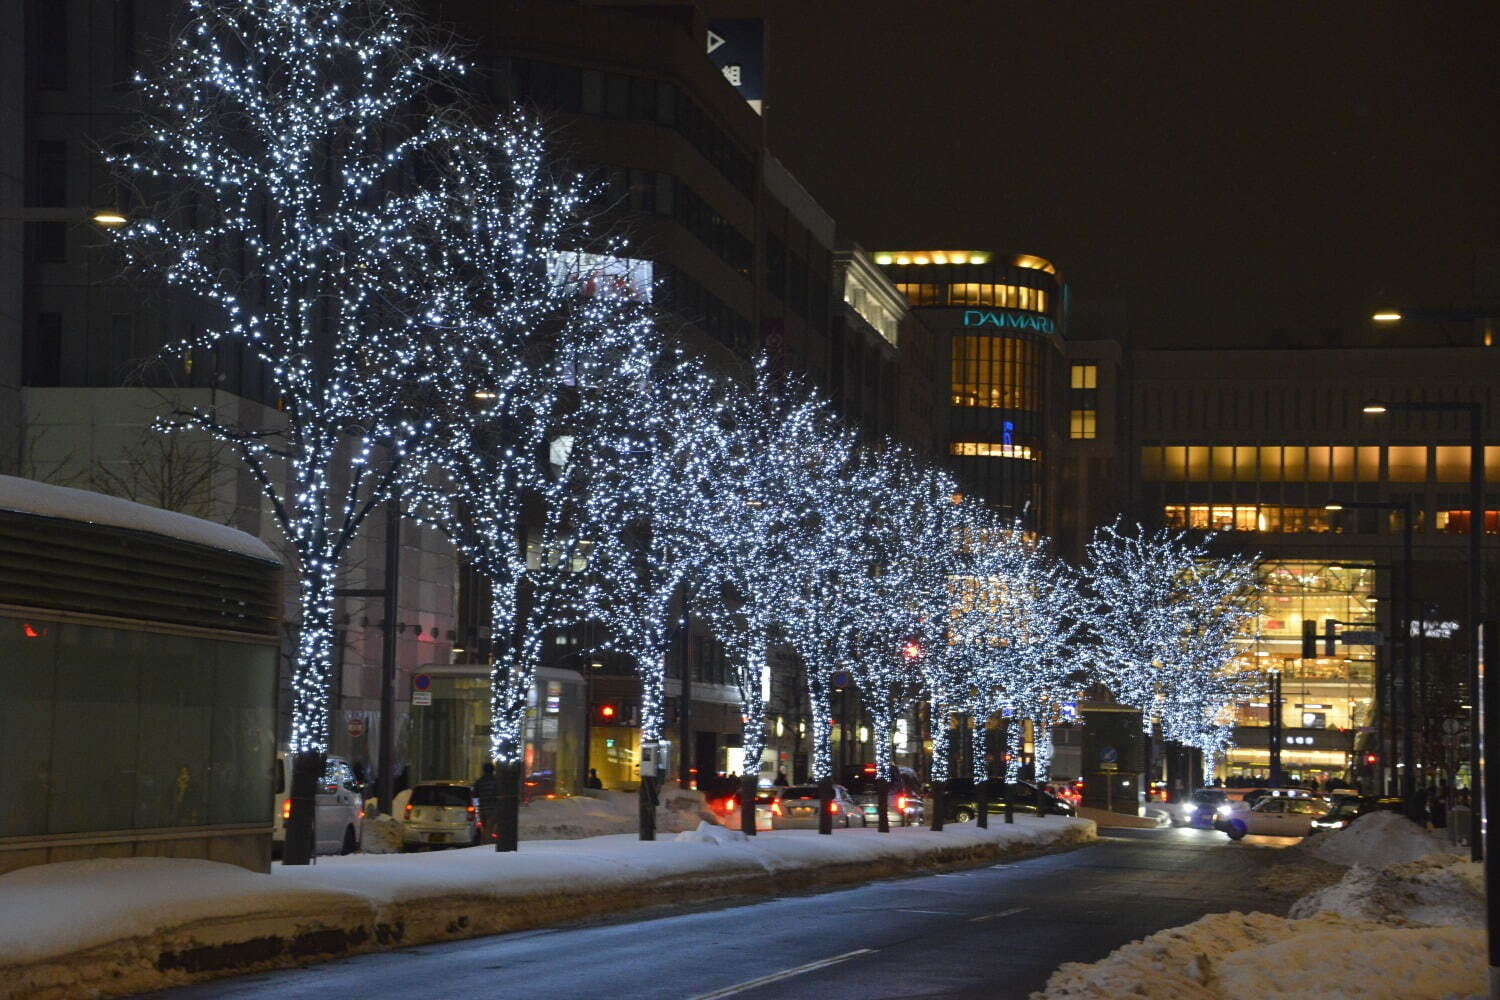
[883,792]
[685,738]
[385,783]
[1408,758]
[1274,735]
[825,805]
[748,787]
[508,831]
[646,799]
[300,828]
[1490,635]
[939,803]
[1383,701]
[1476,534]
[1009,813]
[982,804]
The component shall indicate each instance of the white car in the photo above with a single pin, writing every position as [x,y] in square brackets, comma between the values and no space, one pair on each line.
[440,814]
[338,816]
[1272,816]
[796,808]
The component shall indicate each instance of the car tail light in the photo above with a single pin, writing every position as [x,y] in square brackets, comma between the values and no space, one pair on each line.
[901,802]
[408,810]
[775,808]
[286,809]
[470,809]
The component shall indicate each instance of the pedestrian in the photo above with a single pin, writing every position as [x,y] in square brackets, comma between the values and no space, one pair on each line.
[781,781]
[487,791]
[1419,806]
[593,779]
[1437,810]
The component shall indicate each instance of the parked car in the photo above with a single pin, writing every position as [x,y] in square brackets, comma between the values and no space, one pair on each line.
[767,805]
[1067,791]
[1272,815]
[440,814]
[337,815]
[1199,808]
[1347,808]
[796,808]
[961,800]
[904,798]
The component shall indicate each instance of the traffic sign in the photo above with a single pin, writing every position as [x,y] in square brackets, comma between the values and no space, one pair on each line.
[356,727]
[1108,755]
[1361,637]
[421,697]
[420,682]
[841,679]
[1451,727]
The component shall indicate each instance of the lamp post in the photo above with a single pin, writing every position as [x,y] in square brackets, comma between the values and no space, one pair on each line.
[1408,762]
[1476,533]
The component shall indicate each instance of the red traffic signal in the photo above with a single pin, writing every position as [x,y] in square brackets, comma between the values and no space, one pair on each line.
[606,714]
[1371,758]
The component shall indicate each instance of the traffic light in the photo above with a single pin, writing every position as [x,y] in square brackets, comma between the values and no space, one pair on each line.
[1309,638]
[1371,759]
[606,714]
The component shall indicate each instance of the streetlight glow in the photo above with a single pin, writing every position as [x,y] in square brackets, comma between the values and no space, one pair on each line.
[110,219]
[1374,408]
[1387,316]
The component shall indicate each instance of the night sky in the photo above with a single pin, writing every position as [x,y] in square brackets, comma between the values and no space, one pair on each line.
[1228,170]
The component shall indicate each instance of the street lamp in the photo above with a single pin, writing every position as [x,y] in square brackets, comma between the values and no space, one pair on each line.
[1476,533]
[1408,773]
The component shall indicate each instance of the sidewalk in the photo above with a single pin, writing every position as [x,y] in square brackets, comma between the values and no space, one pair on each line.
[114,927]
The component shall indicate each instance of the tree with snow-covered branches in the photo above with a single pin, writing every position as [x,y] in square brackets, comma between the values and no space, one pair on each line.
[650,507]
[277,133]
[1167,618]
[772,434]
[907,537]
[552,361]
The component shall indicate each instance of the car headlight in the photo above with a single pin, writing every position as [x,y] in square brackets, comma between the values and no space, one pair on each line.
[1224,810]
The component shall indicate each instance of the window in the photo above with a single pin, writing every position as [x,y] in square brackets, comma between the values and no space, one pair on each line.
[47,181]
[995,372]
[1083,425]
[42,351]
[982,449]
[48,242]
[1267,519]
[1084,377]
[48,52]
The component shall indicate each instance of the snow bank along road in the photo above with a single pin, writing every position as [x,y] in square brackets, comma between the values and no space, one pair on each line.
[114,927]
[990,932]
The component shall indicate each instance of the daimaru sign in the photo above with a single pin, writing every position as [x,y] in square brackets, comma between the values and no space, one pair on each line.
[1005,319]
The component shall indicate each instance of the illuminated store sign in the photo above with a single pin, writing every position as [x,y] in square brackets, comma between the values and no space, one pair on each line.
[1005,319]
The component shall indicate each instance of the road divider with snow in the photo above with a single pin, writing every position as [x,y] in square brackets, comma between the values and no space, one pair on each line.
[112,927]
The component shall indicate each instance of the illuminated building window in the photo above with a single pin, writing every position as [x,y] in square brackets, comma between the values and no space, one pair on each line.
[1456,522]
[974,293]
[1083,425]
[1291,463]
[995,372]
[984,449]
[1083,377]
[1268,518]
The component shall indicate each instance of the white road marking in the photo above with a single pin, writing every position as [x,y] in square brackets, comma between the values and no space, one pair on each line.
[777,977]
[936,913]
[996,916]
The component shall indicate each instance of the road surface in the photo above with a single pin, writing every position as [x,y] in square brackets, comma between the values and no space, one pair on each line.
[989,932]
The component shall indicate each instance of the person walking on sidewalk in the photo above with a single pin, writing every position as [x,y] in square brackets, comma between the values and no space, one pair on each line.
[487,791]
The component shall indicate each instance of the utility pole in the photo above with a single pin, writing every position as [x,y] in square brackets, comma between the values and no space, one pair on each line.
[1275,731]
[685,695]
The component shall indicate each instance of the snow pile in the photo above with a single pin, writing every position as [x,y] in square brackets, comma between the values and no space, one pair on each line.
[380,835]
[1230,956]
[1440,890]
[600,813]
[711,833]
[1377,838]
[28,496]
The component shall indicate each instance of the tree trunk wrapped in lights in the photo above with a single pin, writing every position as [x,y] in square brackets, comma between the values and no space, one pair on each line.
[274,132]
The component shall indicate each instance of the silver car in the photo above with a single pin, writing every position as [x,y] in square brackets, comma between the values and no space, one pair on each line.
[797,808]
[440,814]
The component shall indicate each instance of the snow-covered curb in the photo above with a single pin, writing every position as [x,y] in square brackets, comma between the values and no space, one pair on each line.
[114,927]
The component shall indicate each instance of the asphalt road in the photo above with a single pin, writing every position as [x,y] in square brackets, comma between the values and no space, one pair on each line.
[988,932]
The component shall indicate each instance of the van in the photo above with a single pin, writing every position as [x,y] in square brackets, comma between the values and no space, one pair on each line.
[338,813]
